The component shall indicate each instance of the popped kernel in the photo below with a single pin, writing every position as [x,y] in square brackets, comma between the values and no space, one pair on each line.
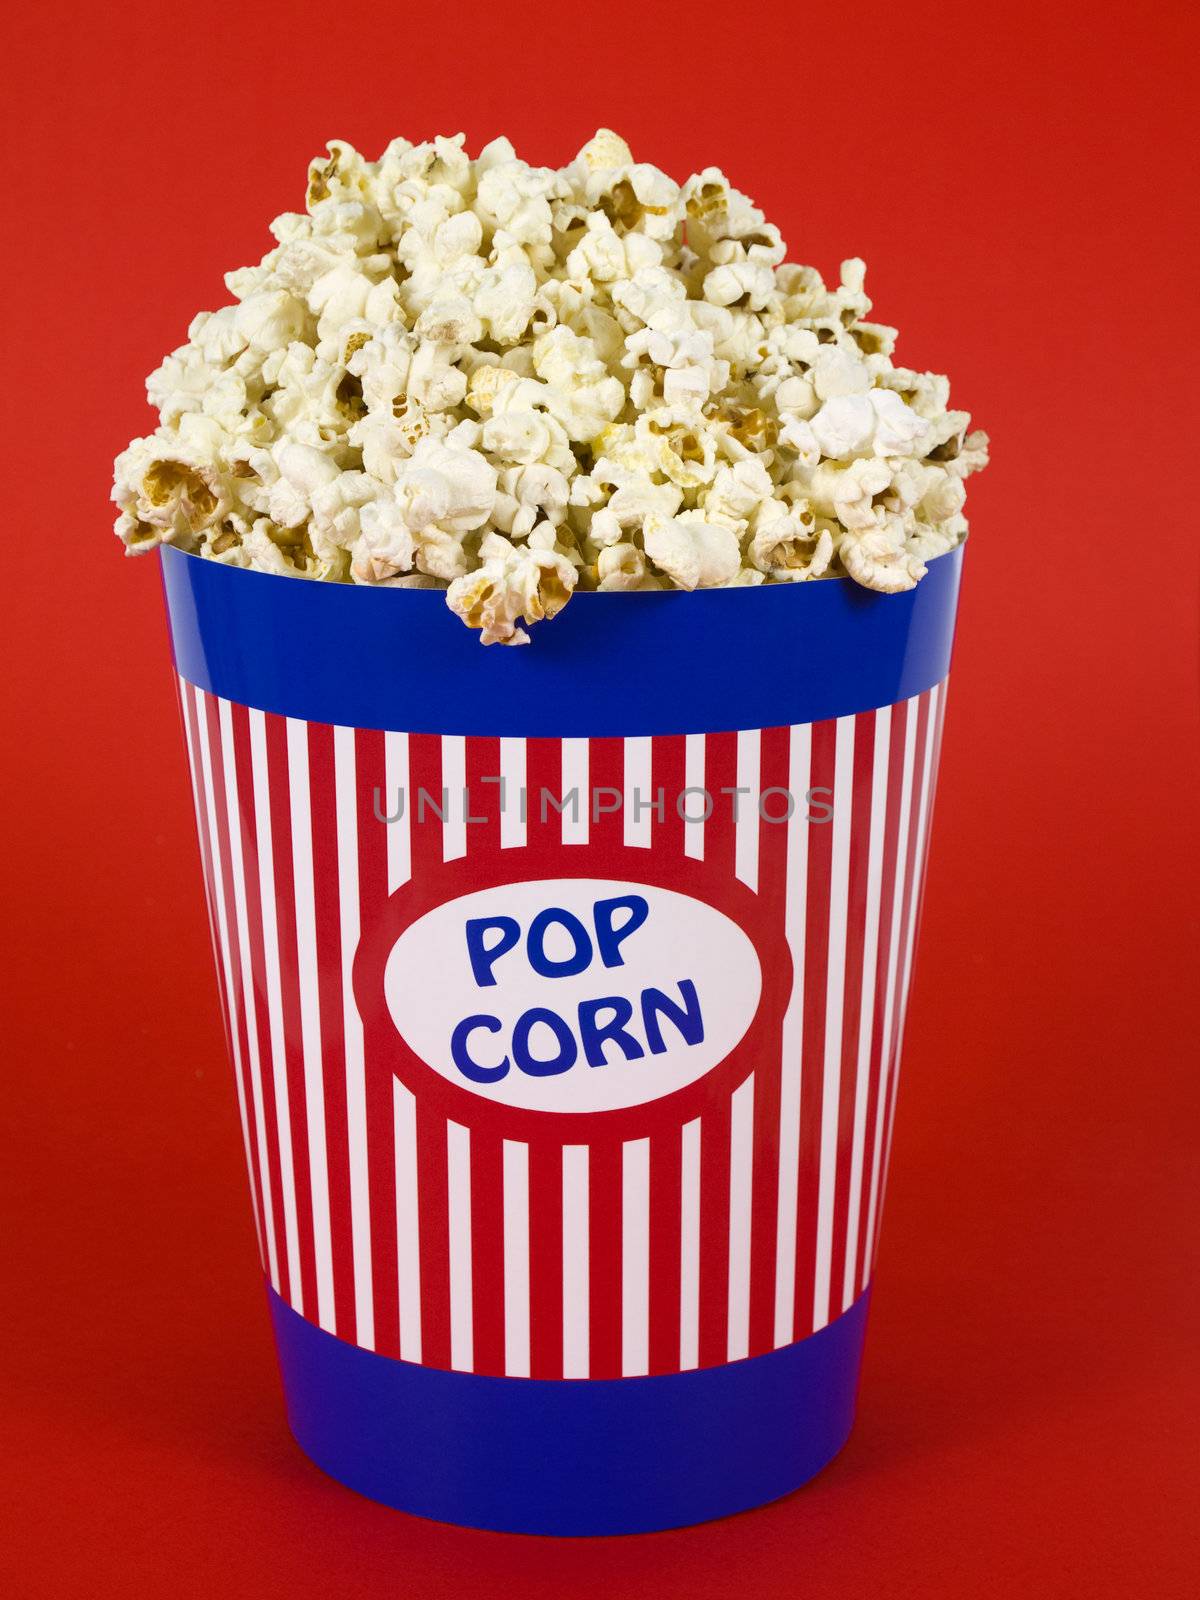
[510,382]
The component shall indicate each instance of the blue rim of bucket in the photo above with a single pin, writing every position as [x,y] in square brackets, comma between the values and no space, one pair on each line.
[607,665]
[576,1455]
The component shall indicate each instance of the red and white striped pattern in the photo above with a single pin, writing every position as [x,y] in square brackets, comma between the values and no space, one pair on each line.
[749,1227]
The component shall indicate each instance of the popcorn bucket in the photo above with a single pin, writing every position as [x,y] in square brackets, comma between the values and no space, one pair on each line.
[564,988]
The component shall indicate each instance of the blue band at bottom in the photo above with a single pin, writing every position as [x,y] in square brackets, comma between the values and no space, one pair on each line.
[575,1456]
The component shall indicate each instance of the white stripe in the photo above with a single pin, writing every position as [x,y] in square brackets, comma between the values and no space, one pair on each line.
[795,912]
[928,779]
[458,1183]
[310,1015]
[516,802]
[741,1175]
[879,771]
[922,845]
[835,998]
[345,790]
[635,1258]
[639,795]
[516,1259]
[408,1236]
[395,779]
[237,873]
[453,797]
[270,929]
[905,932]
[693,778]
[576,1313]
[689,1246]
[745,845]
[201,830]
[575,782]
[881,1096]
[231,1019]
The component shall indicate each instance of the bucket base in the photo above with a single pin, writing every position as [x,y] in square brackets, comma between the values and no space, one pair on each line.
[574,1456]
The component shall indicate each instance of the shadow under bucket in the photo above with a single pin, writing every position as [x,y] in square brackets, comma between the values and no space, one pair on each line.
[564,988]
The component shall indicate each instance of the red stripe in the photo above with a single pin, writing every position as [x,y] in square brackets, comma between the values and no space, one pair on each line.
[425,832]
[908,908]
[720,768]
[856,928]
[666,1177]
[289,985]
[668,769]
[188,706]
[772,880]
[371,784]
[333,1051]
[482,760]
[812,1068]
[237,1018]
[604,1252]
[666,1149]
[714,1233]
[545,1261]
[934,771]
[487,1252]
[887,886]
[543,770]
[432,1187]
[606,770]
[248,823]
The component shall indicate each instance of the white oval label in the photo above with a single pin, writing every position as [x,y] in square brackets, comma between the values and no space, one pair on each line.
[576,994]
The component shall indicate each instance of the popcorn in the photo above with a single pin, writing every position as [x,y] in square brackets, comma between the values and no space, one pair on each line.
[386,546]
[446,484]
[790,546]
[745,283]
[511,585]
[839,370]
[844,425]
[604,152]
[620,566]
[878,559]
[899,431]
[337,512]
[693,553]
[849,424]
[738,490]
[509,382]
[269,320]
[169,492]
[847,493]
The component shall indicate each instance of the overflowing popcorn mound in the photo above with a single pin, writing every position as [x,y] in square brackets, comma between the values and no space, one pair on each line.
[512,382]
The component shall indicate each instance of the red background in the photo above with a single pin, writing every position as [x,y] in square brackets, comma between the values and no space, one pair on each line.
[1017,181]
